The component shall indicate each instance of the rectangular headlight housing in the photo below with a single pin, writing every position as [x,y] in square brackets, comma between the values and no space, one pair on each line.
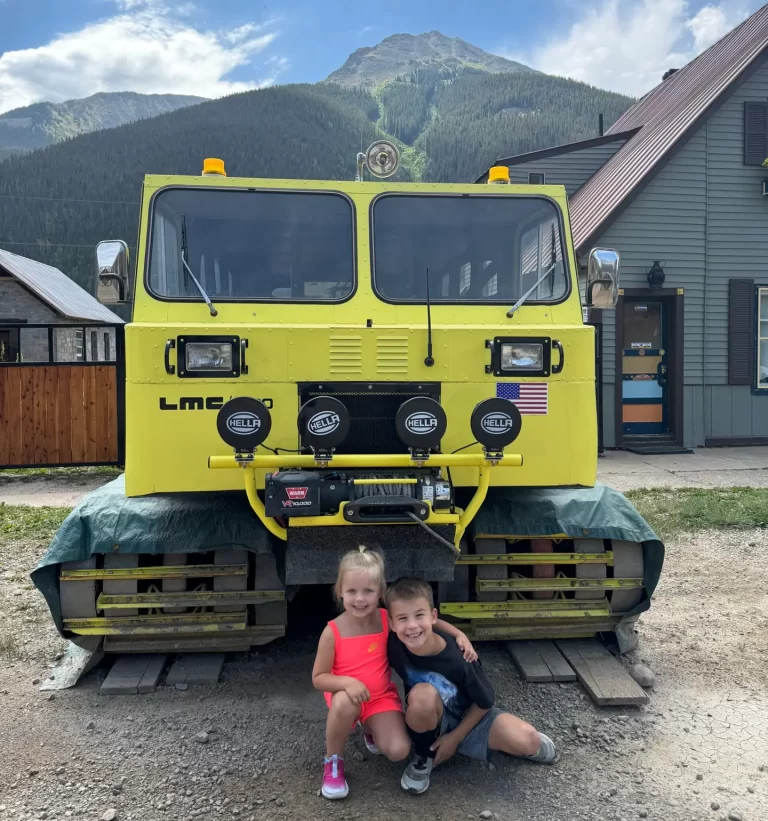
[214,356]
[209,356]
[518,356]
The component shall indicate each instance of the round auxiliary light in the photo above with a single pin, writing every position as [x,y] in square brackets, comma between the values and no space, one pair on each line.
[496,423]
[323,423]
[244,423]
[382,158]
[420,423]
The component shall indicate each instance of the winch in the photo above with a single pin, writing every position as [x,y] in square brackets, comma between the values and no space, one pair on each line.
[385,497]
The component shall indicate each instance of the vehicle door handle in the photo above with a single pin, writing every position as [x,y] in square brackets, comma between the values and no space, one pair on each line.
[558,346]
[170,344]
[243,364]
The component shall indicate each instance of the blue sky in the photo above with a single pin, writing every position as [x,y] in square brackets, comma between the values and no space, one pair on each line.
[60,49]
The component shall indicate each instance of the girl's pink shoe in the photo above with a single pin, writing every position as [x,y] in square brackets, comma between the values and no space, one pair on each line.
[369,741]
[334,783]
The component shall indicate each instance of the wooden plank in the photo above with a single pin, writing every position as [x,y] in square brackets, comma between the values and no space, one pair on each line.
[540,661]
[125,676]
[151,675]
[51,422]
[606,681]
[42,430]
[27,421]
[77,409]
[90,393]
[5,417]
[558,666]
[13,402]
[529,661]
[196,668]
[64,415]
[111,413]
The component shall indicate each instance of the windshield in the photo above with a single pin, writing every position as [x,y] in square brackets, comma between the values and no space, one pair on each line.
[478,249]
[252,245]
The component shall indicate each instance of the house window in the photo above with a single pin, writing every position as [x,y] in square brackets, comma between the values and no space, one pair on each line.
[94,346]
[536,178]
[107,352]
[79,345]
[9,344]
[762,339]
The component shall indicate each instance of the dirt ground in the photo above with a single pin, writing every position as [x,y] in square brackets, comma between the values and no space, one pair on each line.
[698,751]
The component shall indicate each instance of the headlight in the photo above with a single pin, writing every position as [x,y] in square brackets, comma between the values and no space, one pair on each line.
[209,356]
[519,357]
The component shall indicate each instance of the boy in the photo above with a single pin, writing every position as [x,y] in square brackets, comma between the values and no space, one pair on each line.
[449,702]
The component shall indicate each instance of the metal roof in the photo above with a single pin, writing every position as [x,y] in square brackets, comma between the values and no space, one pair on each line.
[665,116]
[56,289]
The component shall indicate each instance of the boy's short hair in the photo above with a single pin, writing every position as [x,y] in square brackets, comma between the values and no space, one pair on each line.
[408,590]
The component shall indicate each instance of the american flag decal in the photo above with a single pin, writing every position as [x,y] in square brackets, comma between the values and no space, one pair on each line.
[530,397]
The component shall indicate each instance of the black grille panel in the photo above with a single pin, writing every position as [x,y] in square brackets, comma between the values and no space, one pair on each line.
[372,408]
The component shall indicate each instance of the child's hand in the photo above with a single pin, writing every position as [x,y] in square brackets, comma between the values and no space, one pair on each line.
[446,747]
[357,692]
[465,645]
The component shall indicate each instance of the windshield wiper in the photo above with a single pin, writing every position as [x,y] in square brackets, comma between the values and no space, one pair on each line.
[525,296]
[200,288]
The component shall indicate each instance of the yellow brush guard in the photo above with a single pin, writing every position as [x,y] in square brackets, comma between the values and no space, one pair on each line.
[461,519]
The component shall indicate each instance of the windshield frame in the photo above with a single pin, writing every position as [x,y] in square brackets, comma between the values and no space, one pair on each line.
[246,300]
[474,302]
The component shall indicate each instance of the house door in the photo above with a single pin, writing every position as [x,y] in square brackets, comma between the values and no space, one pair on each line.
[644,359]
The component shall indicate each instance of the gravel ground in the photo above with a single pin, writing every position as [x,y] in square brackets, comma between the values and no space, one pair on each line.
[698,751]
[52,490]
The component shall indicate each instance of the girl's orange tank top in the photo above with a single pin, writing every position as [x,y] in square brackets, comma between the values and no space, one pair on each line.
[364,658]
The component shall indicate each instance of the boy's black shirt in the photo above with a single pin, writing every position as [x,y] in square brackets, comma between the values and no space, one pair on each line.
[459,683]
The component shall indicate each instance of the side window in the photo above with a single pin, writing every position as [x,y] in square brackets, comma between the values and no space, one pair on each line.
[762,339]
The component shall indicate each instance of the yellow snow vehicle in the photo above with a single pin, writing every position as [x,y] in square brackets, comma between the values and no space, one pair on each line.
[314,365]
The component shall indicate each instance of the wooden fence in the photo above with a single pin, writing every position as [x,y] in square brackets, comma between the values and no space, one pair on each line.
[57,414]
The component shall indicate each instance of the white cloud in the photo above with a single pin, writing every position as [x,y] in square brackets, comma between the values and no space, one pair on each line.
[627,46]
[147,47]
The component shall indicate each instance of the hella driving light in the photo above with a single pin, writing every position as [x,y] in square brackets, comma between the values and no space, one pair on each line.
[522,357]
[209,356]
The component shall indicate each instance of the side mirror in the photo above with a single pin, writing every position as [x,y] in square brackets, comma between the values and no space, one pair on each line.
[603,278]
[112,272]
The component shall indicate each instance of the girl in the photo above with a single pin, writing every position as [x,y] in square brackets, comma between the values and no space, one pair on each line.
[352,670]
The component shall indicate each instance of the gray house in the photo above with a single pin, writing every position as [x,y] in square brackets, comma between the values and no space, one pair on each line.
[46,317]
[677,186]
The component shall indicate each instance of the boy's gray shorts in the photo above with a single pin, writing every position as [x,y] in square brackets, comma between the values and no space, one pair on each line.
[475,745]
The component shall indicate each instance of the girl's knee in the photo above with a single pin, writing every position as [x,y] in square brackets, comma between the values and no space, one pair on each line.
[397,748]
[423,698]
[342,704]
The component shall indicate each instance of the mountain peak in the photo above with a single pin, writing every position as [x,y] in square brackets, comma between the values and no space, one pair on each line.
[400,54]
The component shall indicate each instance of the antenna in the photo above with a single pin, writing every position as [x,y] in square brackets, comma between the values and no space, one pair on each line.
[430,360]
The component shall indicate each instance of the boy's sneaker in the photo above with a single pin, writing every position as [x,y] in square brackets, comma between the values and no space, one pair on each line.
[369,741]
[334,783]
[416,775]
[547,752]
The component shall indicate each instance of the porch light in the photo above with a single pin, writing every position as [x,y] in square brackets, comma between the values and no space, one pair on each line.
[656,275]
